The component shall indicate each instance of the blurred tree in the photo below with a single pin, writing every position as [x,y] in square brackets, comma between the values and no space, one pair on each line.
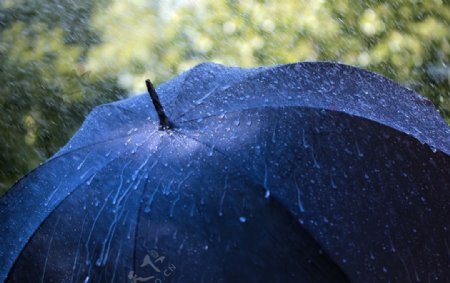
[45,91]
[47,47]
[407,41]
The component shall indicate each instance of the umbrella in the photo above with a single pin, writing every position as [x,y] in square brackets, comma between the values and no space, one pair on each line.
[307,172]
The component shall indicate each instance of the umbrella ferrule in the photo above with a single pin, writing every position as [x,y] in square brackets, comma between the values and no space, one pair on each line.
[164,122]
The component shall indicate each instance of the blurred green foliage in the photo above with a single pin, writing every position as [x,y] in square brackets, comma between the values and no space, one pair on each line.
[61,58]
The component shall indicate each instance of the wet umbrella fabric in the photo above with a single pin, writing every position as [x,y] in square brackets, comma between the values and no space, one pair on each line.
[259,159]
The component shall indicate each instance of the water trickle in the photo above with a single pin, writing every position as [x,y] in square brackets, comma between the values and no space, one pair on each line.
[173,205]
[90,179]
[200,101]
[299,200]
[333,184]
[121,182]
[305,144]
[191,213]
[131,131]
[274,136]
[82,162]
[360,154]
[135,174]
[316,164]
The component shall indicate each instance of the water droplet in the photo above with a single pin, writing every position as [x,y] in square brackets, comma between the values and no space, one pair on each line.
[333,184]
[242,219]
[131,131]
[211,151]
[305,144]
[98,263]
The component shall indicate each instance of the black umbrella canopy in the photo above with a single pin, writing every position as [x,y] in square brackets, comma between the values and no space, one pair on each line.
[308,172]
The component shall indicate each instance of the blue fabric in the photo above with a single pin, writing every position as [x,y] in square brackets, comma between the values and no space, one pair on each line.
[308,172]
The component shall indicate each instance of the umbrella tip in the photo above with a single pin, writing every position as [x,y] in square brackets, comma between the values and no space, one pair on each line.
[164,122]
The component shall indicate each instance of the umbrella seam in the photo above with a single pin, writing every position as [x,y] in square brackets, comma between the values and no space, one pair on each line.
[138,217]
[260,70]
[322,108]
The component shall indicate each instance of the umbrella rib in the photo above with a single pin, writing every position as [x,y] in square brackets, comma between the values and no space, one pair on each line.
[254,108]
[273,198]
[197,104]
[92,144]
[213,148]
[201,142]
[61,155]
[246,109]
